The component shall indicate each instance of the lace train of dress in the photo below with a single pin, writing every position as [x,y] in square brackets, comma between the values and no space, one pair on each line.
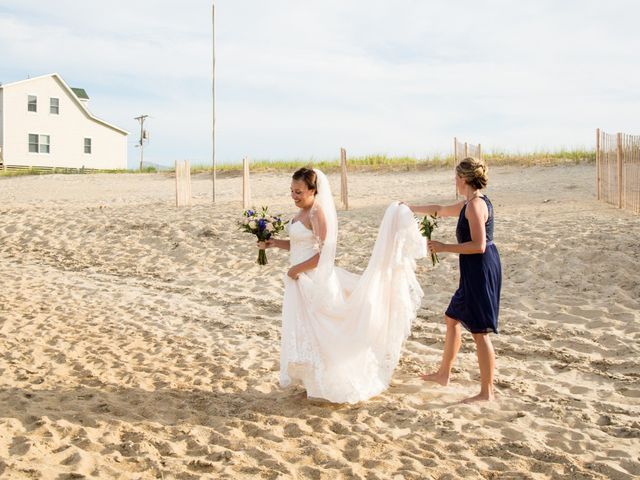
[343,343]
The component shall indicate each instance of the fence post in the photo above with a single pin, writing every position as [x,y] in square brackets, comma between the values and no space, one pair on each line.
[187,166]
[619,157]
[466,150]
[455,162]
[598,162]
[479,152]
[636,169]
[635,149]
[246,194]
[183,183]
[344,192]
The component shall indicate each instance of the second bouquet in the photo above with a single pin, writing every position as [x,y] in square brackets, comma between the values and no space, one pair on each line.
[428,224]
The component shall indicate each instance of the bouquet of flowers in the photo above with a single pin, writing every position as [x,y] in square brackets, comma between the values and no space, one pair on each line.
[427,226]
[262,225]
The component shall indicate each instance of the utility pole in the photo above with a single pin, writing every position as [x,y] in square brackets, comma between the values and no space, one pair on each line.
[143,136]
[213,92]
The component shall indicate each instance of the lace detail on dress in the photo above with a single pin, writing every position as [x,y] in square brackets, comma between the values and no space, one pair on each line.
[314,217]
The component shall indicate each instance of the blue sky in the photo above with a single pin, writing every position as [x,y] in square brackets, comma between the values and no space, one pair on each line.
[300,79]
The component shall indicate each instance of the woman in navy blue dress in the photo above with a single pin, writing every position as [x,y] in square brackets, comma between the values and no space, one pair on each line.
[475,304]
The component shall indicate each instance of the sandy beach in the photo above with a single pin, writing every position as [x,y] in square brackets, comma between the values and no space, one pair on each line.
[140,340]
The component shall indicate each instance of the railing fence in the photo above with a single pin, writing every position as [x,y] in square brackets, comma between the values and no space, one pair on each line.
[618,169]
[462,151]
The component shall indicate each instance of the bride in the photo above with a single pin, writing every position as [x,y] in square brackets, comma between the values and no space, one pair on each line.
[341,332]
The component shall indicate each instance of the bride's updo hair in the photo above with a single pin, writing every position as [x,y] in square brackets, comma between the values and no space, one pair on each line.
[309,177]
[474,172]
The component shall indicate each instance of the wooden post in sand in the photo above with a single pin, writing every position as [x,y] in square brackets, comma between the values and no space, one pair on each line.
[598,162]
[636,158]
[344,193]
[455,162]
[635,172]
[246,193]
[213,97]
[183,183]
[619,158]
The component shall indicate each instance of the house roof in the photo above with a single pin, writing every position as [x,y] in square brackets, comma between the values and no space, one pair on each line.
[80,93]
[75,96]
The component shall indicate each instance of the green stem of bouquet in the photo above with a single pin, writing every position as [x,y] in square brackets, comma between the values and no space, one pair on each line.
[262,257]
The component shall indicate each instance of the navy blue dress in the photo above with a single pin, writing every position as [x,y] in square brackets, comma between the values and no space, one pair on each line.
[477,301]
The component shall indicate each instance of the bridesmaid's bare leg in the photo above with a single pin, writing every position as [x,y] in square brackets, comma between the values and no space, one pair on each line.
[452,344]
[487,363]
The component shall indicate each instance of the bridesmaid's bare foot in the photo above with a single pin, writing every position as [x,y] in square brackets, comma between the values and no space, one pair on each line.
[436,377]
[481,397]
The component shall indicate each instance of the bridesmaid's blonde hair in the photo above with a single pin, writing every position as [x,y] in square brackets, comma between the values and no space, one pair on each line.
[474,172]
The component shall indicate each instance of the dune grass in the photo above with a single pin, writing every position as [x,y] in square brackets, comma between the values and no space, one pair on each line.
[19,172]
[364,163]
[384,162]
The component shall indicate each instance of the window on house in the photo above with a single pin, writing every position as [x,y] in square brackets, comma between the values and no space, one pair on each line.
[32,104]
[87,145]
[39,143]
[33,143]
[54,106]
[44,143]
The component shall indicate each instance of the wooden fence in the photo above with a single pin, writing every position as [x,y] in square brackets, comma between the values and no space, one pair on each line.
[344,188]
[618,169]
[344,192]
[246,187]
[183,183]
[40,169]
[462,151]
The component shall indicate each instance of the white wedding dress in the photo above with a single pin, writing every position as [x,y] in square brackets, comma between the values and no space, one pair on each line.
[342,333]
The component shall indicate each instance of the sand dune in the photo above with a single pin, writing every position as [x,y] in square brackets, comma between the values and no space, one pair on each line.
[138,340]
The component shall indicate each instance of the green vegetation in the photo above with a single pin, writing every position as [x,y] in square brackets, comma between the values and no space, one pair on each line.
[17,173]
[366,163]
[541,157]
[384,162]
[21,171]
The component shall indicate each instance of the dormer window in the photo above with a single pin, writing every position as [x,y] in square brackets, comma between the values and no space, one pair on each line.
[32,103]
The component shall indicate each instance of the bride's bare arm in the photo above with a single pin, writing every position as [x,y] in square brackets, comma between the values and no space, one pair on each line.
[304,266]
[319,224]
[275,243]
[439,210]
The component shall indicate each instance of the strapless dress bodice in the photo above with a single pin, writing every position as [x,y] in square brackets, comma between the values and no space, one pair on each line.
[303,243]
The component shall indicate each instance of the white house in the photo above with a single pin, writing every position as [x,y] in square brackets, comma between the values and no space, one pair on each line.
[45,123]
